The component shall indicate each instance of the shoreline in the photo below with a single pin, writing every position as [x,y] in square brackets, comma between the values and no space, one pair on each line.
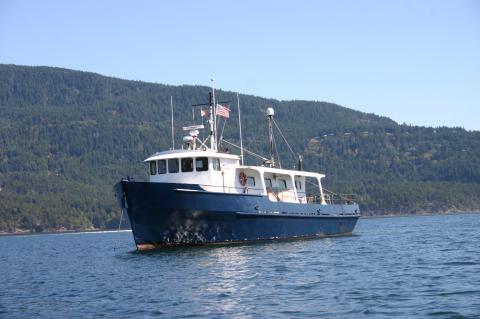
[78,231]
[26,232]
[389,215]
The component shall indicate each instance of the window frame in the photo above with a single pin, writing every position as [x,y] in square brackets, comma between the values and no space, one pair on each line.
[215,161]
[251,178]
[298,184]
[183,164]
[203,160]
[164,166]
[153,167]
[170,160]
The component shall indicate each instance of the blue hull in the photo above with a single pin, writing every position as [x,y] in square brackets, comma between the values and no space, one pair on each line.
[166,214]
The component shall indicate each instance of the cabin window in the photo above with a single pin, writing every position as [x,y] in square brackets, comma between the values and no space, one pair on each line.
[173,165]
[282,184]
[187,164]
[162,167]
[201,164]
[268,183]
[216,164]
[298,184]
[250,181]
[153,168]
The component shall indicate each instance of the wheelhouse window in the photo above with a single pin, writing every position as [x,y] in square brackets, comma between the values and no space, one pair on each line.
[173,165]
[153,167]
[187,164]
[282,184]
[162,166]
[201,164]
[250,181]
[216,164]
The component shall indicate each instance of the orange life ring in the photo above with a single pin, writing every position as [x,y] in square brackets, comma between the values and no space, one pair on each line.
[242,178]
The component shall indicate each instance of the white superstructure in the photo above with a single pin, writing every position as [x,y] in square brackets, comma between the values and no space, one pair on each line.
[221,172]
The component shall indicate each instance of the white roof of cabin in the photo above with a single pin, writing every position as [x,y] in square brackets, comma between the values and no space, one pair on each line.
[190,153]
[264,169]
[211,153]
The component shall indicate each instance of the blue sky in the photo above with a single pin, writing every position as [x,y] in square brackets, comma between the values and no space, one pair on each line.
[417,62]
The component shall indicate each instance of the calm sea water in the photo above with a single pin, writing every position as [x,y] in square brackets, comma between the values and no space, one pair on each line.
[402,267]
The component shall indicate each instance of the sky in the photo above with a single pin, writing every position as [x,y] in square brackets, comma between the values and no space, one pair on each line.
[417,62]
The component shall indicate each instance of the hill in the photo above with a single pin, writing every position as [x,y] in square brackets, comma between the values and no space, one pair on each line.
[67,136]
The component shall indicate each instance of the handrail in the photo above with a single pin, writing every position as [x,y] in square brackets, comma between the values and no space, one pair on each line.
[331,196]
[239,190]
[287,194]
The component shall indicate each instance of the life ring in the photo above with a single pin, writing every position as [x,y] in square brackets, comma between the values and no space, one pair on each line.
[242,178]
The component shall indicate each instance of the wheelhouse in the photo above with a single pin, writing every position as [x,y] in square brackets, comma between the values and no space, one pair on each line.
[206,168]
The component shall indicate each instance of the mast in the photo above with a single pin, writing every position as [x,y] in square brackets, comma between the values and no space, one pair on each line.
[240,128]
[270,114]
[210,120]
[213,117]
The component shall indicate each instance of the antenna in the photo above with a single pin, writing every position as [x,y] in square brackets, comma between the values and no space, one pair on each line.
[240,128]
[173,136]
[270,113]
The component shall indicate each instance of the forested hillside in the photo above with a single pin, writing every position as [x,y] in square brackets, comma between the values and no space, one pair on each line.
[67,136]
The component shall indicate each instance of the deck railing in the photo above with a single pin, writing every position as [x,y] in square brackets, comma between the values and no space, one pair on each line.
[286,195]
[237,190]
[332,198]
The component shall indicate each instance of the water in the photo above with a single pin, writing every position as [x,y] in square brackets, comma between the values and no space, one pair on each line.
[402,267]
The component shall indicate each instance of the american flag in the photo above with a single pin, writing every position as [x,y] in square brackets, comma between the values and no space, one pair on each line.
[223,111]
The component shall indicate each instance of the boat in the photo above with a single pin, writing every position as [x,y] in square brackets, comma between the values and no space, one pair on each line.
[202,194]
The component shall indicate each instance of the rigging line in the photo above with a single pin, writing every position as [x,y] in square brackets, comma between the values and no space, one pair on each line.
[206,139]
[221,135]
[276,151]
[331,193]
[316,188]
[323,188]
[338,194]
[118,231]
[201,143]
[247,151]
[311,183]
[281,134]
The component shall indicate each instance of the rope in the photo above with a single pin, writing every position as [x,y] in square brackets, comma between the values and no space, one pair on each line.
[247,151]
[221,135]
[281,134]
[118,231]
